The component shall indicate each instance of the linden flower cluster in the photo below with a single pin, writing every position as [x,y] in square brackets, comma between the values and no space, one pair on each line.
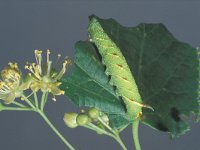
[42,77]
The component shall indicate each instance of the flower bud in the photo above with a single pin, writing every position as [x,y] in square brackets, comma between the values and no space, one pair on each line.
[82,119]
[70,119]
[93,113]
[105,118]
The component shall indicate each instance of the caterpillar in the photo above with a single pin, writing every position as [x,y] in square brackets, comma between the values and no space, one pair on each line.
[117,68]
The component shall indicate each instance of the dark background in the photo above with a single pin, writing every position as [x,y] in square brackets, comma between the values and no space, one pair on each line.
[57,25]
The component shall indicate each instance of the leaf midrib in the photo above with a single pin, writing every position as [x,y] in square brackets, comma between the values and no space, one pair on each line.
[95,80]
[172,74]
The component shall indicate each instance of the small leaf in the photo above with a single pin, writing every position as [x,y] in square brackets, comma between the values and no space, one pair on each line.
[88,85]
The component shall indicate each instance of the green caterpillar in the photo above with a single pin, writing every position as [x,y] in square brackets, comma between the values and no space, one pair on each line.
[118,69]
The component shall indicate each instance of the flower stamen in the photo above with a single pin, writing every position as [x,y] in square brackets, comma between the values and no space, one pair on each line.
[38,57]
[46,80]
[63,70]
[58,58]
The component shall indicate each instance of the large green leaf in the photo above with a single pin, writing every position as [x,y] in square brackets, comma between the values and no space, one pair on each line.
[165,70]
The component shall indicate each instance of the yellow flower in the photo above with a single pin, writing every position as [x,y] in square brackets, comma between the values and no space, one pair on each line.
[44,77]
[11,85]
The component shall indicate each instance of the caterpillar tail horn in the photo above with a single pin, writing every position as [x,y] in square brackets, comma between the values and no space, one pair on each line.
[147,106]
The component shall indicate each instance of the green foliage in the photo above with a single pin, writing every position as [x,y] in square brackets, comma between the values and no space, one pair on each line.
[165,70]
[87,85]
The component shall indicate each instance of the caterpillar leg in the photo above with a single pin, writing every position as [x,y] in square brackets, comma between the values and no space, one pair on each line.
[139,116]
[89,38]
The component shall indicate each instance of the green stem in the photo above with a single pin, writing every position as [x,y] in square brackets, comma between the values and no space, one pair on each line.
[36,99]
[28,101]
[55,130]
[43,100]
[18,109]
[135,127]
[97,129]
[119,140]
[40,111]
[18,104]
[107,126]
[115,136]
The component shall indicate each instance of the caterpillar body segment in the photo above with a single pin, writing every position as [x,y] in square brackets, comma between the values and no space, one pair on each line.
[117,68]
